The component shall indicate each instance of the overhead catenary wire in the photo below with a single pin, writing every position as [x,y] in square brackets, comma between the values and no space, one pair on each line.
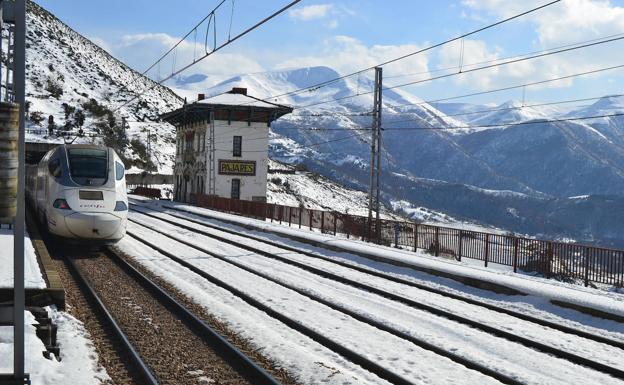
[464,72]
[208,53]
[508,88]
[402,57]
[512,124]
[487,111]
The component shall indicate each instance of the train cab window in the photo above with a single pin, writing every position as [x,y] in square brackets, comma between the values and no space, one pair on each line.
[235,193]
[88,166]
[54,166]
[119,171]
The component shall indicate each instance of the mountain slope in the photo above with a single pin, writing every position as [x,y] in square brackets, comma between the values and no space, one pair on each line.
[67,73]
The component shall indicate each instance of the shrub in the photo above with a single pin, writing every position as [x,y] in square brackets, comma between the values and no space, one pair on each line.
[54,87]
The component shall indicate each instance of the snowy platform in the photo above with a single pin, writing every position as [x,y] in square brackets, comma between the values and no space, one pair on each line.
[33,276]
[603,303]
[78,361]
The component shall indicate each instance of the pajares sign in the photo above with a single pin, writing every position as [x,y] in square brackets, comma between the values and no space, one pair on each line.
[237,167]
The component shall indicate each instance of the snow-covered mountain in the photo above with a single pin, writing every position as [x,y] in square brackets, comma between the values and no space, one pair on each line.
[83,87]
[513,177]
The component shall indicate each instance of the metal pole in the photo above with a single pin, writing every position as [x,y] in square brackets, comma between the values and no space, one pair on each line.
[19,82]
[379,94]
[371,186]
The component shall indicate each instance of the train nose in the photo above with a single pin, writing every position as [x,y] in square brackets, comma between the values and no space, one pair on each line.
[92,225]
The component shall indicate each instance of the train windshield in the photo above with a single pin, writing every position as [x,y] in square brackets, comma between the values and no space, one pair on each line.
[88,166]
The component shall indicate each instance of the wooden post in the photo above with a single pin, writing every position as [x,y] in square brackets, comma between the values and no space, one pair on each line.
[322,222]
[335,222]
[459,247]
[515,255]
[487,248]
[311,213]
[300,213]
[436,242]
[289,216]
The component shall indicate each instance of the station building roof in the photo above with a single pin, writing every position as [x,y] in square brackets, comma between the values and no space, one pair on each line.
[234,105]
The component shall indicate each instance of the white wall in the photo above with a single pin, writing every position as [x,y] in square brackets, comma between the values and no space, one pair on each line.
[255,144]
[255,148]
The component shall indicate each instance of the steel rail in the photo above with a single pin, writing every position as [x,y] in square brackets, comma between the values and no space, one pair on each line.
[143,369]
[349,354]
[472,301]
[221,345]
[406,301]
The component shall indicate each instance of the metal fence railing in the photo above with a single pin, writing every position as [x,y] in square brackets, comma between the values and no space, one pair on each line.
[563,261]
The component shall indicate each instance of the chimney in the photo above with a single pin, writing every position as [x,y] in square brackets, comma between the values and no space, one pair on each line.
[201,97]
[239,91]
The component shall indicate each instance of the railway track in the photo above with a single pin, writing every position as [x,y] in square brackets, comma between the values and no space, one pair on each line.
[472,301]
[166,342]
[499,332]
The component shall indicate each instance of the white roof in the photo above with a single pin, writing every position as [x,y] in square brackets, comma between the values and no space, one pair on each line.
[236,100]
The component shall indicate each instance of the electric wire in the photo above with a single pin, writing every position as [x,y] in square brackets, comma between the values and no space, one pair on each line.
[422,50]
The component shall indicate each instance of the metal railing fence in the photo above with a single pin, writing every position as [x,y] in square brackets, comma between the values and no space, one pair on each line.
[563,261]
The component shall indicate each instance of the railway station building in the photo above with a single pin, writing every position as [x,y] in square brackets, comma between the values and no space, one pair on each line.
[222,146]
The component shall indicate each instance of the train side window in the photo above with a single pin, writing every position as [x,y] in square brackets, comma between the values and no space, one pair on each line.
[54,166]
[119,170]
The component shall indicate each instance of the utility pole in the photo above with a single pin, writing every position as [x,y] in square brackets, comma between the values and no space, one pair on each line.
[212,176]
[374,159]
[378,95]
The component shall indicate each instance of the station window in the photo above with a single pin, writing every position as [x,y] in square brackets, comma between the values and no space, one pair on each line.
[238,146]
[235,194]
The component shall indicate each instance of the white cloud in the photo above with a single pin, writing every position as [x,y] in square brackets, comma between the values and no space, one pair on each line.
[347,54]
[560,24]
[139,51]
[311,12]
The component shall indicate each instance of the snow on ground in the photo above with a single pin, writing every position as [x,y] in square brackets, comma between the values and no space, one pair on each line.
[78,364]
[398,355]
[510,358]
[535,286]
[33,277]
[310,362]
[289,187]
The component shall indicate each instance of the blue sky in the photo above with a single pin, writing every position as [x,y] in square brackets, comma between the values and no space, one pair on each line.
[348,35]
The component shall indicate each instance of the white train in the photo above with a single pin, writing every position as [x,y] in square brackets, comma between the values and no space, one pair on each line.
[79,193]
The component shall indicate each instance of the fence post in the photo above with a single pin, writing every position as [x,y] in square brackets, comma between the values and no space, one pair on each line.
[459,248]
[310,215]
[272,209]
[335,222]
[289,216]
[436,242]
[322,222]
[300,213]
[415,237]
[549,256]
[487,248]
[586,255]
[515,255]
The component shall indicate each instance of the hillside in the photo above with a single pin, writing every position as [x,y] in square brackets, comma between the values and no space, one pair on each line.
[83,87]
[518,178]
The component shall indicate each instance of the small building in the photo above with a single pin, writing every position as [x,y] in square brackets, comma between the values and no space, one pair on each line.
[222,146]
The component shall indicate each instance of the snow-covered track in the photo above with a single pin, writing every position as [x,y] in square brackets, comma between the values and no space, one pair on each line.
[200,347]
[496,331]
[469,300]
[346,352]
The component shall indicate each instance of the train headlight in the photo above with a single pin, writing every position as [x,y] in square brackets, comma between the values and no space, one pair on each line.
[121,206]
[61,204]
